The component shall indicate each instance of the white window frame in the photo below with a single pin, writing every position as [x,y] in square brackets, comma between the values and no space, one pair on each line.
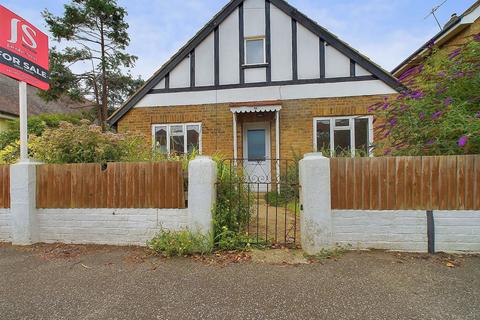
[184,125]
[245,63]
[350,127]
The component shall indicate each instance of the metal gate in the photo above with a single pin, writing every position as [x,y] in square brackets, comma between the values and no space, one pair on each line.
[263,199]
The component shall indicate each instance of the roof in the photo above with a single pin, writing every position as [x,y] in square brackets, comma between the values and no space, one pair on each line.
[452,26]
[36,105]
[308,23]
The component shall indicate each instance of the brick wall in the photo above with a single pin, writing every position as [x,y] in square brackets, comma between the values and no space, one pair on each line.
[296,122]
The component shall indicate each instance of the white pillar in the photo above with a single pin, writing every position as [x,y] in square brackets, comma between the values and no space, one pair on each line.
[235,150]
[202,176]
[277,144]
[22,93]
[23,206]
[316,217]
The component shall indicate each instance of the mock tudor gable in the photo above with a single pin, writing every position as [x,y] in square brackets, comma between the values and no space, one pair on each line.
[260,50]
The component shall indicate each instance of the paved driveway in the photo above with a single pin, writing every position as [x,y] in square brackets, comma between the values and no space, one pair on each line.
[116,283]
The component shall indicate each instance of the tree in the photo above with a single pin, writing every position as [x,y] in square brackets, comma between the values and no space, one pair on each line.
[441,113]
[97,37]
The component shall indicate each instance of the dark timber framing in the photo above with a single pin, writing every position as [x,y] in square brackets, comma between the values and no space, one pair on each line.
[376,71]
[241,43]
[268,44]
[265,84]
[216,40]
[167,81]
[352,68]
[192,68]
[294,51]
[322,58]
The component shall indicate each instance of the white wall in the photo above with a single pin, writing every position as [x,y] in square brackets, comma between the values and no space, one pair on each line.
[281,44]
[180,76]
[336,64]
[107,226]
[161,84]
[308,45]
[5,225]
[205,62]
[270,93]
[229,59]
[254,18]
[390,230]
[457,231]
[255,75]
[360,71]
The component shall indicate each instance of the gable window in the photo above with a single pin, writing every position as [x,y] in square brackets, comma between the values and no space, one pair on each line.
[177,138]
[343,135]
[255,50]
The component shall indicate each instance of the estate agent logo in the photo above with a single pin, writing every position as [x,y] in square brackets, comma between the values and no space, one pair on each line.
[23,50]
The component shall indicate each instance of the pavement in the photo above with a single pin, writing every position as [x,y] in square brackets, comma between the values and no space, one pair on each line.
[84,282]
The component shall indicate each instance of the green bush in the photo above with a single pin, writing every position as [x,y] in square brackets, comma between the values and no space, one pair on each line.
[233,208]
[86,143]
[180,243]
[36,126]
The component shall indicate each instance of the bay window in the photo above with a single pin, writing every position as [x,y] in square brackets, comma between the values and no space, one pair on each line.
[177,138]
[343,135]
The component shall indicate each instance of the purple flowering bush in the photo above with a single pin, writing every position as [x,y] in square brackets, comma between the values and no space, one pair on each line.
[440,113]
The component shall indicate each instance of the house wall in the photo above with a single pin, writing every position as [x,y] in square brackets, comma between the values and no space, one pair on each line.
[296,121]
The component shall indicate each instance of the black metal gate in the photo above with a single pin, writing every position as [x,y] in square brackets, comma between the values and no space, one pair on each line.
[262,198]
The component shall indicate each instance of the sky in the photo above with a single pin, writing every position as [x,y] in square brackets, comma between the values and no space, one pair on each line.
[387,31]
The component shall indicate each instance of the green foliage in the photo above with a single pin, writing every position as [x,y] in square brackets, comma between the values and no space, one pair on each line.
[333,253]
[36,126]
[232,209]
[441,115]
[180,243]
[97,37]
[86,143]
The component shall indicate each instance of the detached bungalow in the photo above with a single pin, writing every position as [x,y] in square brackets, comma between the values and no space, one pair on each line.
[259,81]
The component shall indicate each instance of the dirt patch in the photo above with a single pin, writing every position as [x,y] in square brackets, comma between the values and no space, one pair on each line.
[224,258]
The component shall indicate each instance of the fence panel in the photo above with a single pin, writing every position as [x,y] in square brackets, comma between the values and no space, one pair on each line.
[4,186]
[416,183]
[120,185]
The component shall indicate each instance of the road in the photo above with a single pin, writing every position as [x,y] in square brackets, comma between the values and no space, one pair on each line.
[79,282]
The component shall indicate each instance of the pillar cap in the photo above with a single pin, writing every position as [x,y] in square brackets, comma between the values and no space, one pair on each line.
[314,155]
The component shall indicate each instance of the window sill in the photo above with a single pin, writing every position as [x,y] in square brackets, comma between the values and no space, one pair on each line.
[257,65]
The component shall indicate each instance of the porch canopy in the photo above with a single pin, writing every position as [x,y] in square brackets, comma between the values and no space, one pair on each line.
[258,109]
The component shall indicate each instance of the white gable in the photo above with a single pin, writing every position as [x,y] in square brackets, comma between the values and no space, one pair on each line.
[205,63]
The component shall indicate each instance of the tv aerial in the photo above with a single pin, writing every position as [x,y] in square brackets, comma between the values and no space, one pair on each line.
[432,13]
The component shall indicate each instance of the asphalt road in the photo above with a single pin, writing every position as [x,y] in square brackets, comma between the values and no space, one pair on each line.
[119,283]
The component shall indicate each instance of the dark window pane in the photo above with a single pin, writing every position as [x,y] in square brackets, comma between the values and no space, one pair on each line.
[161,139]
[193,138]
[342,142]
[256,145]
[177,144]
[323,135]
[361,136]
[255,51]
[342,122]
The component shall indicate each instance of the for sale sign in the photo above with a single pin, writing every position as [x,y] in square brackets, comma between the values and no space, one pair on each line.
[23,50]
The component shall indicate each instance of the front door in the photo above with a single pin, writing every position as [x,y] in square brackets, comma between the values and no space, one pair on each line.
[256,152]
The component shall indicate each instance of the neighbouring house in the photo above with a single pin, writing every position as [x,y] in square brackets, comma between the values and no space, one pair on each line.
[456,32]
[259,81]
[9,109]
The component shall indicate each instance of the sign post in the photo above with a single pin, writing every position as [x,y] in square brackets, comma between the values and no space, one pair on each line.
[23,56]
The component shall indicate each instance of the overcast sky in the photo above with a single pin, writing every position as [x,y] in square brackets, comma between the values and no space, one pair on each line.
[387,31]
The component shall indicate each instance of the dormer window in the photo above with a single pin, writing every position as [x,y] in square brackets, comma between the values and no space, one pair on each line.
[255,50]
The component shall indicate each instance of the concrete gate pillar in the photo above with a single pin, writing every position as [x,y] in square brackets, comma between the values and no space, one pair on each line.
[316,218]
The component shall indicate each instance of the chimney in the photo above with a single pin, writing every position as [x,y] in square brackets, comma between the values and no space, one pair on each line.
[453,19]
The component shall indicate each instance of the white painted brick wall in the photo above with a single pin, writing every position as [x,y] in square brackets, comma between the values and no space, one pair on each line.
[5,225]
[457,231]
[107,226]
[390,230]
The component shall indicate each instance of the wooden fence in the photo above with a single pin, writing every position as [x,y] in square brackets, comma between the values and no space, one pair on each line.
[120,185]
[421,183]
[4,187]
